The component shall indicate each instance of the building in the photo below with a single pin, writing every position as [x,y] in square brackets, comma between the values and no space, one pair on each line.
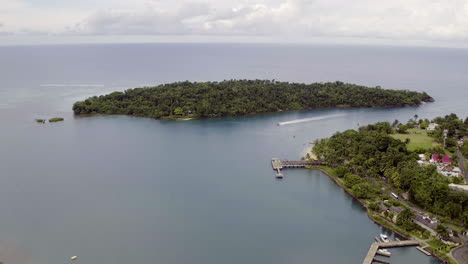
[462,140]
[458,187]
[432,127]
[437,159]
[449,171]
[422,157]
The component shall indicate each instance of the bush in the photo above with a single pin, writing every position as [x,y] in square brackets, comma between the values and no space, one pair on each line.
[374,206]
[341,171]
[351,180]
[56,119]
[362,190]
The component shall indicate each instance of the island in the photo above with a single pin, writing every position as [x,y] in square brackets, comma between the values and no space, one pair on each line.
[187,100]
[411,178]
[56,119]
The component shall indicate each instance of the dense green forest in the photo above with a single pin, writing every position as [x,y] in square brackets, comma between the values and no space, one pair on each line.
[241,97]
[363,157]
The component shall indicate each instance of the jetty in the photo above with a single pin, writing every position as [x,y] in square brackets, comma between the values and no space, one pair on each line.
[278,165]
[423,250]
[377,245]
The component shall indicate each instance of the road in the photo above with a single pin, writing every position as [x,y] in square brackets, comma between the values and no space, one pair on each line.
[460,254]
[461,164]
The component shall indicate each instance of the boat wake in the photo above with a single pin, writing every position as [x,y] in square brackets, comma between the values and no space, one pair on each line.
[308,119]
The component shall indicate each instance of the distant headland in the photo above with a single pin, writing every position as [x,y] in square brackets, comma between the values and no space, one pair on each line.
[186,100]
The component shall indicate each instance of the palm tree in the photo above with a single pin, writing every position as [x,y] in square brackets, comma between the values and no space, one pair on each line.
[442,231]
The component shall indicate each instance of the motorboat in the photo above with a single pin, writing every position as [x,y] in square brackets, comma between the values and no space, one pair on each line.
[384,238]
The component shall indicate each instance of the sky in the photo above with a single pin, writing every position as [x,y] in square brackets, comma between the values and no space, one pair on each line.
[396,22]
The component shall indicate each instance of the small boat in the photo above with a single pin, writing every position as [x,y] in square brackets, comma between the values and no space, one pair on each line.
[74,257]
[384,252]
[384,238]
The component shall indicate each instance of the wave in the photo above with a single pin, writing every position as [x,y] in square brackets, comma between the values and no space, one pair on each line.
[72,85]
[308,119]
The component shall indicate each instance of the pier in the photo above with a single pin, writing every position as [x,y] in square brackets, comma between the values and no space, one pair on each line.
[377,245]
[278,165]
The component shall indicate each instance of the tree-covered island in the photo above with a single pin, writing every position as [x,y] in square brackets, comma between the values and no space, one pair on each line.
[241,97]
[409,176]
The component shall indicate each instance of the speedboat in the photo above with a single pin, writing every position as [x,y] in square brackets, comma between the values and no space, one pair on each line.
[384,238]
[384,252]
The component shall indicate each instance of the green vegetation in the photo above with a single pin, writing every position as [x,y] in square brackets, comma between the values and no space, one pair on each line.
[440,246]
[372,153]
[241,97]
[418,139]
[56,119]
[40,120]
[464,150]
[404,220]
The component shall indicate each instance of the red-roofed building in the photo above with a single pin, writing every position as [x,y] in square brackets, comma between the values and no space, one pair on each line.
[436,158]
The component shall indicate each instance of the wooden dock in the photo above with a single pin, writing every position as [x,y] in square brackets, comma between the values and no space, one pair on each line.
[278,164]
[423,250]
[401,243]
[376,245]
[381,260]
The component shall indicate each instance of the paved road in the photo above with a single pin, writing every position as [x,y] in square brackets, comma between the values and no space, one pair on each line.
[460,254]
[461,163]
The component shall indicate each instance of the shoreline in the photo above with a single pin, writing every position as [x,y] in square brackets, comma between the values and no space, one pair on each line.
[386,224]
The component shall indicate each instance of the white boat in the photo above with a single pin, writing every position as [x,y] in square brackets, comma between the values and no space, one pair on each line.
[384,238]
[384,252]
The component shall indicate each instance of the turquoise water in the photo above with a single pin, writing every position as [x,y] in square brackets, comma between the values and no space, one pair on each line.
[132,190]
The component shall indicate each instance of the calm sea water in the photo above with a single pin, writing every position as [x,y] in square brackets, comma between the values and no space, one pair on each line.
[134,190]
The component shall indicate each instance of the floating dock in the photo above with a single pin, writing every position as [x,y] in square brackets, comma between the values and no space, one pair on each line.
[381,260]
[376,245]
[424,251]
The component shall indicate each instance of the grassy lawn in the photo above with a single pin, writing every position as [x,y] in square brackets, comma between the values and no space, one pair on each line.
[418,139]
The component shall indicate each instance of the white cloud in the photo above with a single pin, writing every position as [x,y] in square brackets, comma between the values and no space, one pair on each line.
[432,20]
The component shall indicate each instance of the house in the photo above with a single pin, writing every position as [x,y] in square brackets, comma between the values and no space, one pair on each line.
[458,187]
[449,171]
[462,140]
[426,222]
[438,159]
[422,157]
[432,127]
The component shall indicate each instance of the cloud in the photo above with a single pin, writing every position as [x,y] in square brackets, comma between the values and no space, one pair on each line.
[433,20]
[412,19]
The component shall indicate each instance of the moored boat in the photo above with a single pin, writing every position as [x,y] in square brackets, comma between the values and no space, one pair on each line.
[384,238]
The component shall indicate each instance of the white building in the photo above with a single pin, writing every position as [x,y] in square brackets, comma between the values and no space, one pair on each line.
[422,157]
[458,187]
[432,127]
[449,171]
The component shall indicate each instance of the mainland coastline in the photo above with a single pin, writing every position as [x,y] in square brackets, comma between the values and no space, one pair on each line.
[375,202]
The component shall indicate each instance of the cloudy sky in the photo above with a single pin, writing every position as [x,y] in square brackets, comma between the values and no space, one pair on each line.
[439,23]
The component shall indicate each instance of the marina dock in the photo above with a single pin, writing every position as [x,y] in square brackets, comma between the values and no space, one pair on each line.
[377,245]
